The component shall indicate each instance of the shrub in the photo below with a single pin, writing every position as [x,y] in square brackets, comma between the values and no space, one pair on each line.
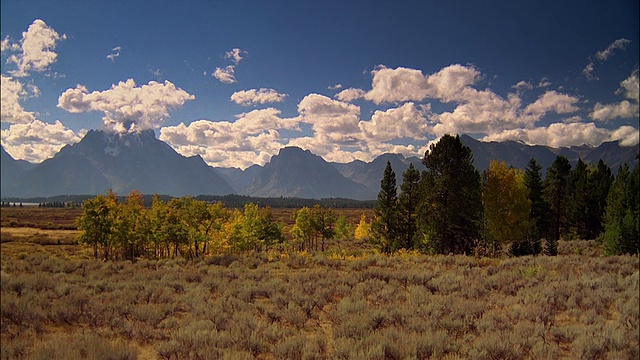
[83,346]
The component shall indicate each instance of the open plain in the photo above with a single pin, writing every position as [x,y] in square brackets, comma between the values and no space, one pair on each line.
[349,302]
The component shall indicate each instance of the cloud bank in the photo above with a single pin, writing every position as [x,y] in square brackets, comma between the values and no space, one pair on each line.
[337,131]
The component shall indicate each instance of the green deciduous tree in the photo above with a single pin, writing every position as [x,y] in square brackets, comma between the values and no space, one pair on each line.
[451,210]
[323,221]
[344,230]
[270,231]
[250,229]
[255,229]
[96,223]
[506,208]
[302,230]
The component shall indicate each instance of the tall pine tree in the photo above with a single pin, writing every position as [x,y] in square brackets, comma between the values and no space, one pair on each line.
[451,210]
[385,225]
[578,201]
[600,180]
[556,194]
[408,204]
[539,209]
[621,223]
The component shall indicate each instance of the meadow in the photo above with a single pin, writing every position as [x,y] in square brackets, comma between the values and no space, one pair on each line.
[349,302]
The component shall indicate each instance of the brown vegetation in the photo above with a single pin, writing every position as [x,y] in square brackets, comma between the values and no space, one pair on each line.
[40,218]
[349,302]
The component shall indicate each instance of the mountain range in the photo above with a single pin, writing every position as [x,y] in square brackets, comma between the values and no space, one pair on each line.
[121,162]
[139,161]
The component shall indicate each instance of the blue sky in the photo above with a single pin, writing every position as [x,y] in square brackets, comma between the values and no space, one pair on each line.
[234,81]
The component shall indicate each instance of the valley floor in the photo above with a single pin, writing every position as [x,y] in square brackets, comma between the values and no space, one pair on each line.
[58,302]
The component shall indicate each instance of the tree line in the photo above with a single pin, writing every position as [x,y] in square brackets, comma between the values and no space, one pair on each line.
[230,200]
[189,227]
[178,227]
[452,208]
[239,201]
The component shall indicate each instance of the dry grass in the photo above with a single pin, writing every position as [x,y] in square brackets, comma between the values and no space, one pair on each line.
[39,236]
[273,305]
[57,302]
[40,218]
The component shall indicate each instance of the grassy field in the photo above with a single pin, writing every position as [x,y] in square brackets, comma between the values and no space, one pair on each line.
[347,303]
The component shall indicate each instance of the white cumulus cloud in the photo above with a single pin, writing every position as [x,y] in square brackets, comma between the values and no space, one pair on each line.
[626,136]
[350,94]
[406,121]
[225,75]
[623,109]
[404,84]
[452,83]
[261,96]
[235,55]
[481,112]
[630,87]
[36,49]
[552,101]
[563,135]
[397,85]
[36,141]
[11,110]
[7,45]
[251,139]
[331,119]
[126,106]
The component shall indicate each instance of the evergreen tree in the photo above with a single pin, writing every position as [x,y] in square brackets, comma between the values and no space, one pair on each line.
[539,208]
[600,180]
[556,195]
[621,221]
[385,225]
[451,209]
[578,201]
[408,203]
